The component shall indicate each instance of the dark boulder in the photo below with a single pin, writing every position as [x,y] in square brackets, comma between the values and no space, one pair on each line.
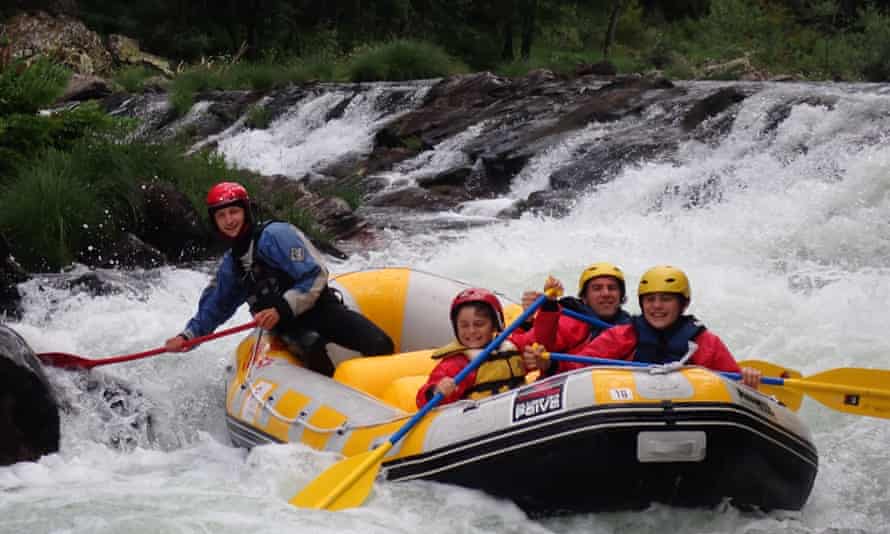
[29,415]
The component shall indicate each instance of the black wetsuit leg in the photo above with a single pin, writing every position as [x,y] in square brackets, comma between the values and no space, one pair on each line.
[335,323]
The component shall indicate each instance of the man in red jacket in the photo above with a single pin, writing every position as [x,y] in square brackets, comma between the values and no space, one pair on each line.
[601,292]
[661,335]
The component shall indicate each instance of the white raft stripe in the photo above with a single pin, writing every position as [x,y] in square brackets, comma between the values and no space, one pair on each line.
[655,409]
[656,424]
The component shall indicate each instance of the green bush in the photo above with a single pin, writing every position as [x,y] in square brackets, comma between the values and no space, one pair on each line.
[59,205]
[49,213]
[255,76]
[875,45]
[402,60]
[28,88]
[132,78]
[258,117]
[184,87]
[24,136]
[21,138]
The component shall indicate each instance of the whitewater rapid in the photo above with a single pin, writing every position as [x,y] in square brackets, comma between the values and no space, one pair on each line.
[788,261]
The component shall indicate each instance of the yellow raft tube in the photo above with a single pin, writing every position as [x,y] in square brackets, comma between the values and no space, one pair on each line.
[689,437]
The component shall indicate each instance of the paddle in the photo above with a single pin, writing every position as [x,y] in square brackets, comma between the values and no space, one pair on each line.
[791,398]
[849,389]
[586,318]
[72,361]
[347,483]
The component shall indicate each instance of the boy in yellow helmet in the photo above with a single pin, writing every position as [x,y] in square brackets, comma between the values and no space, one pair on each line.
[662,334]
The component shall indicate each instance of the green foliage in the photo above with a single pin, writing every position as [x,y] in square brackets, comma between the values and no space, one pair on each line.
[28,88]
[24,136]
[256,76]
[303,220]
[49,213]
[402,60]
[60,206]
[132,78]
[875,45]
[348,190]
[257,117]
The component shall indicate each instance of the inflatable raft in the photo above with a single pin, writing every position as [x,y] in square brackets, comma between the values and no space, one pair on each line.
[599,438]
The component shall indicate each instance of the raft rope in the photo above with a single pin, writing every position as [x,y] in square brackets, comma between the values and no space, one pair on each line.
[300,419]
[677,365]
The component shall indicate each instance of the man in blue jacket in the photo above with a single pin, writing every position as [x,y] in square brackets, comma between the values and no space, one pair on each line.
[276,270]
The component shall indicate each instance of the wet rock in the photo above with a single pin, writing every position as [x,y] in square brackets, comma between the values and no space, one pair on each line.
[11,274]
[131,251]
[712,105]
[227,106]
[279,193]
[346,166]
[782,111]
[412,197]
[456,177]
[93,284]
[550,203]
[601,68]
[599,164]
[29,415]
[171,224]
[85,87]
[609,103]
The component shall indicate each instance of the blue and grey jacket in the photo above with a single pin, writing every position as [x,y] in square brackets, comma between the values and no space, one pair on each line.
[280,269]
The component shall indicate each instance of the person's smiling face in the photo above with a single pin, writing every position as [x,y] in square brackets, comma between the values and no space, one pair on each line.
[603,295]
[229,220]
[475,328]
[661,310]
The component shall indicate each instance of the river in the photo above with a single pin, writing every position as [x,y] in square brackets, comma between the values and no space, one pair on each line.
[787,246]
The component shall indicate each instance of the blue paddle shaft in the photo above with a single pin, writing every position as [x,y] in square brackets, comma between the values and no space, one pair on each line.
[472,366]
[606,361]
[586,318]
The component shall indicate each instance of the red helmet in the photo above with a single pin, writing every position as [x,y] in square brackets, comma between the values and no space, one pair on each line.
[476,294]
[226,193]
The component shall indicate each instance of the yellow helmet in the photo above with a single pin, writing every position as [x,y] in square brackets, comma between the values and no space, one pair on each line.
[664,279]
[601,269]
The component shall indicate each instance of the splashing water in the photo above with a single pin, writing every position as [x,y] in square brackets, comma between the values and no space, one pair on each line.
[783,232]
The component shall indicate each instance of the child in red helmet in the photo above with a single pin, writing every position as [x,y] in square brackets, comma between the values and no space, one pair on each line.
[477,317]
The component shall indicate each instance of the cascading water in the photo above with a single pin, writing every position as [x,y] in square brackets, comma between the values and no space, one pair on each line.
[782,228]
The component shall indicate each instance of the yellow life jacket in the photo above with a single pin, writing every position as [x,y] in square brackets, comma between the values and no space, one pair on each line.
[501,371]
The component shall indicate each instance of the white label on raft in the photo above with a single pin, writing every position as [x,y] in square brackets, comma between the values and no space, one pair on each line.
[252,405]
[539,399]
[621,394]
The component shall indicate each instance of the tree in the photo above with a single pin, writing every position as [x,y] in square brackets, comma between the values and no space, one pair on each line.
[507,50]
[528,12]
[614,15]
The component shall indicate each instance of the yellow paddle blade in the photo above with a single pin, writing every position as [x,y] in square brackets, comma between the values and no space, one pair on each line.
[849,389]
[345,484]
[792,399]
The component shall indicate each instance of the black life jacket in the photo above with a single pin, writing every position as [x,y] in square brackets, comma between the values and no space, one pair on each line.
[262,281]
[664,346]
